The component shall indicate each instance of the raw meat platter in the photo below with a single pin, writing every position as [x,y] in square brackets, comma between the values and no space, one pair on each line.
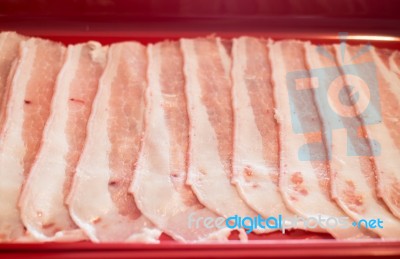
[248,141]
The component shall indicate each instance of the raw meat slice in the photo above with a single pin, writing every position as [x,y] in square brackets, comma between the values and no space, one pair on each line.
[43,210]
[99,201]
[323,67]
[28,108]
[394,62]
[9,49]
[208,90]
[256,146]
[387,133]
[304,174]
[353,181]
[159,180]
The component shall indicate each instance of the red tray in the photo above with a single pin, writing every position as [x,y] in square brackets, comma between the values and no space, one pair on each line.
[109,21]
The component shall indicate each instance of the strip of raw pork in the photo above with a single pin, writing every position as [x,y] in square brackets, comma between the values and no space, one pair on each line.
[43,208]
[28,108]
[9,49]
[99,201]
[159,181]
[354,180]
[256,133]
[304,174]
[387,134]
[207,66]
[394,62]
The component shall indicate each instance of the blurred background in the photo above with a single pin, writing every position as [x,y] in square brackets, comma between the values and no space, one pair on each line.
[152,20]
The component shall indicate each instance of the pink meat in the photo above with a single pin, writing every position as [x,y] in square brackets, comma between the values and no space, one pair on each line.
[394,62]
[388,132]
[99,201]
[354,181]
[304,184]
[28,108]
[256,145]
[207,66]
[159,181]
[9,47]
[42,204]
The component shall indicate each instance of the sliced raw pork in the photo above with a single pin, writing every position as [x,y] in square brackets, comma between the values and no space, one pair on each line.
[387,134]
[354,181]
[304,175]
[9,49]
[43,210]
[28,108]
[159,181]
[394,62]
[256,140]
[207,65]
[99,201]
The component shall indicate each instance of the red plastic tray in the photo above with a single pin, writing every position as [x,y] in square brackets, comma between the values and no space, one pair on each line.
[109,21]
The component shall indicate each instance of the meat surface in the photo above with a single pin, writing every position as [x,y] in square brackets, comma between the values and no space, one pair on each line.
[28,108]
[124,142]
[354,181]
[256,134]
[304,175]
[207,65]
[159,181]
[43,210]
[324,68]
[387,133]
[9,49]
[99,200]
[394,62]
